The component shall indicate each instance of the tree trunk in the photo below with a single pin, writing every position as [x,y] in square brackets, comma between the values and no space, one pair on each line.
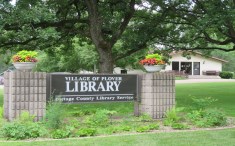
[105,60]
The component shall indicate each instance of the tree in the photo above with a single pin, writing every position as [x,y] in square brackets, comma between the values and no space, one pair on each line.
[136,24]
[228,56]
[201,24]
[80,56]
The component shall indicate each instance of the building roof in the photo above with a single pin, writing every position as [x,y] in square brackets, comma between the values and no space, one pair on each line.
[215,58]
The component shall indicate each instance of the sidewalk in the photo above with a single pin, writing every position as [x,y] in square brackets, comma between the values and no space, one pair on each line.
[203,81]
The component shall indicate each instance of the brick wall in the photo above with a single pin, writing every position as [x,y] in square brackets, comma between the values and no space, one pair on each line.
[157,93]
[24,91]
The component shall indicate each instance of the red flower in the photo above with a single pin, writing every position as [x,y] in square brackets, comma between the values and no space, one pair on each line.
[151,61]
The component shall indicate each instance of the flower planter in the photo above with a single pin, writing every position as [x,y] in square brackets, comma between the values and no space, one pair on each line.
[24,65]
[153,68]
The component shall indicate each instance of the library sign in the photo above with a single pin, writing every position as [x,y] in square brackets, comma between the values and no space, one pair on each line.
[75,88]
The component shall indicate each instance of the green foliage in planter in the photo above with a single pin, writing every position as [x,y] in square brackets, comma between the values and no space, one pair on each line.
[156,56]
[226,75]
[25,56]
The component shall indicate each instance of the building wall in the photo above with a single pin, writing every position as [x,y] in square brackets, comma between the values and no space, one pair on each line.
[205,63]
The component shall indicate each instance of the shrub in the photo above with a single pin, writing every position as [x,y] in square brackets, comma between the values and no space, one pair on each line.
[154,126]
[60,133]
[145,118]
[226,75]
[54,115]
[2,120]
[201,103]
[125,128]
[207,118]
[172,116]
[143,129]
[25,117]
[100,118]
[17,130]
[86,132]
[179,126]
[215,117]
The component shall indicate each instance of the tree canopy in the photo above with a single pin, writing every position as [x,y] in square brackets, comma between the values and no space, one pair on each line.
[117,28]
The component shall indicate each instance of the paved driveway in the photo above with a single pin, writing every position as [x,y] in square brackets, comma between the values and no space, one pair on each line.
[203,81]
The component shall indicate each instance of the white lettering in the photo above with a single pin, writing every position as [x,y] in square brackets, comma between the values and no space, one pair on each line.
[101,86]
[91,86]
[109,85]
[117,84]
[67,87]
[83,86]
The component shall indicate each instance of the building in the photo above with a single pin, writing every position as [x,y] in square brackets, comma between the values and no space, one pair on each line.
[197,64]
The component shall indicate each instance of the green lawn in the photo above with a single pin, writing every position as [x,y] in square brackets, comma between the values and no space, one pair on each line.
[196,138]
[224,92]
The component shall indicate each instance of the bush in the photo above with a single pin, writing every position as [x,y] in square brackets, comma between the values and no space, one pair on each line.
[226,75]
[215,117]
[154,126]
[60,133]
[86,132]
[100,118]
[172,116]
[143,129]
[25,117]
[17,130]
[201,103]
[54,115]
[145,118]
[2,120]
[125,128]
[207,118]
[179,126]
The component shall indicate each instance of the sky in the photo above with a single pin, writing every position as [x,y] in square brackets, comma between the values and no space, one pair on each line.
[13,2]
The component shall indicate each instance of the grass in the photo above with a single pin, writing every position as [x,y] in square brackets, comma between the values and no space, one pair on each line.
[224,92]
[123,108]
[195,138]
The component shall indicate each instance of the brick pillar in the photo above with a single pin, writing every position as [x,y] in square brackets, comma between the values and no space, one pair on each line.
[157,94]
[24,91]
